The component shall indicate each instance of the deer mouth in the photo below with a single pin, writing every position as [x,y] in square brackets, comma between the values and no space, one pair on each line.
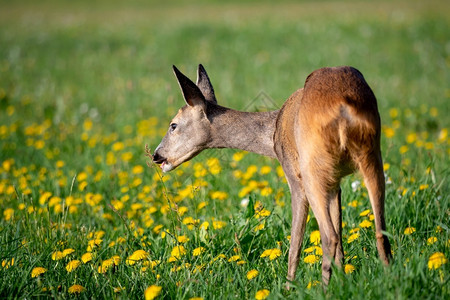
[162,161]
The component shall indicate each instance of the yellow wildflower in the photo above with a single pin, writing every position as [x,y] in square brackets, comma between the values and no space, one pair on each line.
[198,251]
[271,253]
[365,224]
[352,237]
[219,224]
[311,259]
[234,258]
[409,230]
[152,292]
[87,257]
[76,289]
[252,274]
[178,251]
[136,256]
[312,283]
[349,268]
[365,213]
[182,239]
[431,240]
[57,255]
[72,265]
[38,271]
[436,260]
[314,238]
[262,294]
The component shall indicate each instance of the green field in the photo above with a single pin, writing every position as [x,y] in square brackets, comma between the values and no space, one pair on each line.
[85,86]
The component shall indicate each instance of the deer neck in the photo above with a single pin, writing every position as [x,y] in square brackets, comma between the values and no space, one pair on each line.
[249,131]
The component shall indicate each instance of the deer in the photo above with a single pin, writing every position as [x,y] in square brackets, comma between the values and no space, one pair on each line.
[326,130]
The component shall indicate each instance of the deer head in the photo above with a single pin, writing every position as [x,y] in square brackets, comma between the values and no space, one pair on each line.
[190,130]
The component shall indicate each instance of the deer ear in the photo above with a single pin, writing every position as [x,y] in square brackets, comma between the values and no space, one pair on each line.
[191,93]
[204,84]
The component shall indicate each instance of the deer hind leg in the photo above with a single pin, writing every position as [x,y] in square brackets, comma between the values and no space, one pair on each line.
[336,217]
[371,167]
[300,209]
[322,198]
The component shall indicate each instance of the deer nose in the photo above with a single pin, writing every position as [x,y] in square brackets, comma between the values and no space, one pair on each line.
[158,158]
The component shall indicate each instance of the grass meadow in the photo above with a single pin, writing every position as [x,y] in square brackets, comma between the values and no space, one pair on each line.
[84,86]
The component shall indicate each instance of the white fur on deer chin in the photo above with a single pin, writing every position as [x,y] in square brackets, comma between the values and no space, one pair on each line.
[166,167]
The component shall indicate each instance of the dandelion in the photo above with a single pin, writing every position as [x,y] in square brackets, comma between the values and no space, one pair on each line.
[365,213]
[314,238]
[152,292]
[352,237]
[136,256]
[76,289]
[252,274]
[57,255]
[271,253]
[72,265]
[262,294]
[234,258]
[312,283]
[38,271]
[219,224]
[182,239]
[349,268]
[87,257]
[436,260]
[365,224]
[198,251]
[409,230]
[178,251]
[431,240]
[68,251]
[311,259]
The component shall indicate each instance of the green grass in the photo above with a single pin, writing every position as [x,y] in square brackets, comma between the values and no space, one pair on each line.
[84,87]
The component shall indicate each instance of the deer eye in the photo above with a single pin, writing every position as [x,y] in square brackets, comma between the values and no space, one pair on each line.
[173,126]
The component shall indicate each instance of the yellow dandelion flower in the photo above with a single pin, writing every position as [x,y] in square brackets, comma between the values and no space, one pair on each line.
[314,238]
[389,132]
[234,258]
[57,255]
[431,240]
[68,251]
[38,271]
[152,292]
[87,257]
[403,149]
[265,170]
[436,260]
[349,268]
[309,249]
[311,259]
[252,274]
[178,251]
[352,237]
[138,169]
[312,283]
[219,224]
[262,294]
[271,253]
[198,251]
[72,265]
[238,156]
[196,298]
[365,224]
[76,289]
[365,213]
[137,256]
[409,230]
[182,239]
[261,213]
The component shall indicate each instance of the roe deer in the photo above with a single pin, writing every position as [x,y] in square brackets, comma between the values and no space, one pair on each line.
[326,130]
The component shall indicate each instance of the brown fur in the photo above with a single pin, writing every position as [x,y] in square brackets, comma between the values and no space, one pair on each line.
[324,131]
